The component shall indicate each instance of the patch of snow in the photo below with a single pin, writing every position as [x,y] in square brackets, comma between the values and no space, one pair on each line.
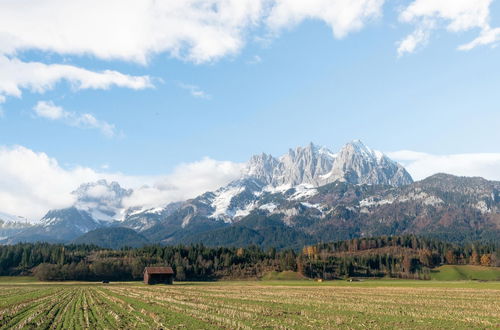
[97,214]
[433,201]
[245,211]
[368,202]
[327,175]
[291,212]
[378,155]
[304,191]
[424,197]
[325,151]
[188,217]
[50,221]
[482,207]
[222,201]
[12,218]
[277,189]
[313,206]
[270,207]
[157,210]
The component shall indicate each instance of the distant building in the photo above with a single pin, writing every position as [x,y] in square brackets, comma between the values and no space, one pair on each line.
[158,275]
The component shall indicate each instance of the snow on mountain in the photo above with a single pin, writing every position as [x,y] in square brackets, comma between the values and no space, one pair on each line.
[266,183]
[300,165]
[102,200]
[8,218]
[11,225]
[355,163]
[298,173]
[358,164]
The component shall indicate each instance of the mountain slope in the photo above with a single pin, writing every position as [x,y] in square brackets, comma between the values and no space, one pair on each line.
[10,225]
[112,238]
[58,226]
[283,202]
[443,206]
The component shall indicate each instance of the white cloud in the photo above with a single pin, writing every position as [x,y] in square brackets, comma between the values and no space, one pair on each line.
[194,30]
[131,30]
[453,15]
[195,91]
[487,37]
[32,182]
[187,180]
[421,165]
[419,37]
[343,16]
[47,109]
[16,75]
[135,30]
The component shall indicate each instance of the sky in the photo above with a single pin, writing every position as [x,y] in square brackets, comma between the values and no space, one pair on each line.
[174,96]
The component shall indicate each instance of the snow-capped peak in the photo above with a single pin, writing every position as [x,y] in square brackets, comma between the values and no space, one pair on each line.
[355,163]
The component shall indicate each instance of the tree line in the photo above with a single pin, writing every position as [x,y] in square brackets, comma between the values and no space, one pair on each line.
[394,256]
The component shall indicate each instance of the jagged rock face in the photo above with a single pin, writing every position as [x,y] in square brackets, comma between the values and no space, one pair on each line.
[355,163]
[298,172]
[304,165]
[358,164]
[268,183]
[262,167]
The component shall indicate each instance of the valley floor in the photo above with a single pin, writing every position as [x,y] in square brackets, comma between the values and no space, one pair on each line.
[254,304]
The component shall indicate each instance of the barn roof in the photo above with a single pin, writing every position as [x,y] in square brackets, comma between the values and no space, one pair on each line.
[159,270]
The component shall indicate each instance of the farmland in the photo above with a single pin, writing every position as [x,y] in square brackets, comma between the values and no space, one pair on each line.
[285,304]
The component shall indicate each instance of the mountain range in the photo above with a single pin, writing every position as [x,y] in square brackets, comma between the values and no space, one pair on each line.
[308,195]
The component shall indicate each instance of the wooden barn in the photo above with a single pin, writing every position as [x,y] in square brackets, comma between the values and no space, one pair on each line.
[158,275]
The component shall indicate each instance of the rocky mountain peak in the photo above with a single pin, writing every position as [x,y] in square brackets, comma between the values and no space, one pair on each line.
[358,164]
[315,165]
[262,167]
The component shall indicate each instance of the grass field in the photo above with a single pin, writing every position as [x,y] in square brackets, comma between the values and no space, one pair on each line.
[252,304]
[283,276]
[467,272]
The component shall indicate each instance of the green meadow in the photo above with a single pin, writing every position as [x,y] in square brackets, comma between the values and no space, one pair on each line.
[466,272]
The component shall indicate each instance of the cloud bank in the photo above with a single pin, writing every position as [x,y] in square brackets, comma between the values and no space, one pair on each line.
[197,31]
[421,165]
[33,182]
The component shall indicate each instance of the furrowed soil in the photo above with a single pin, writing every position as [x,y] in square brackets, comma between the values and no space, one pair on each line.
[248,305]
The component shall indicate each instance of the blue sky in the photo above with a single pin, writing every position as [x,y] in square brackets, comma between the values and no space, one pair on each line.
[287,75]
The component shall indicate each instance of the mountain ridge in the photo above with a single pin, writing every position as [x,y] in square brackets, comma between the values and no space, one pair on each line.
[308,195]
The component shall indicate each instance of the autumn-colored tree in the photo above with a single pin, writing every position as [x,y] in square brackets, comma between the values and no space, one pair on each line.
[474,258]
[450,257]
[425,257]
[311,251]
[486,260]
[406,263]
[300,266]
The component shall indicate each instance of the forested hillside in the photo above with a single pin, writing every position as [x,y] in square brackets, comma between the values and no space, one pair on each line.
[399,256]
